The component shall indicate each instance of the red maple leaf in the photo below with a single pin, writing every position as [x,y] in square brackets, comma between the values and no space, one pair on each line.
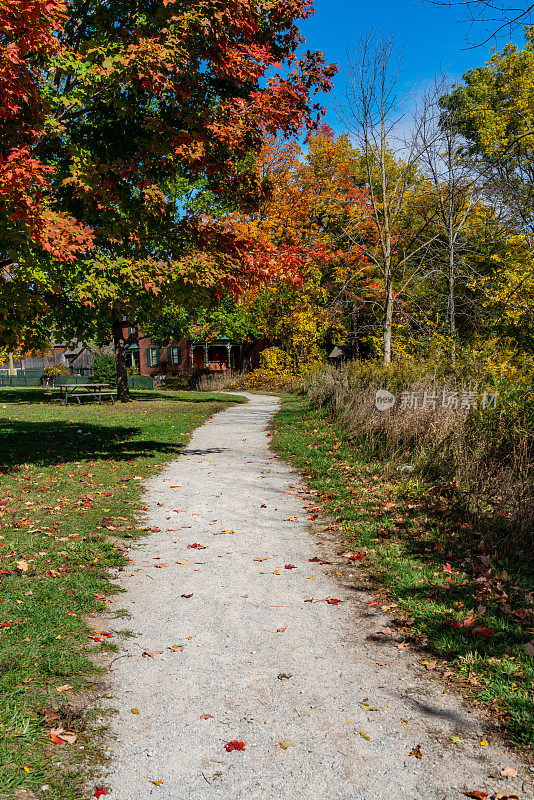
[234,745]
[289,566]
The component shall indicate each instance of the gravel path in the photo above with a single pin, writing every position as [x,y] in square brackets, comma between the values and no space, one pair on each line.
[328,709]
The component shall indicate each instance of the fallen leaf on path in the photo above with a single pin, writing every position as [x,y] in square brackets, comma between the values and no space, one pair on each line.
[99,792]
[508,772]
[197,546]
[280,630]
[387,631]
[477,794]
[417,751]
[188,595]
[292,519]
[157,783]
[430,665]
[285,676]
[207,716]
[456,739]
[484,743]
[135,711]
[260,559]
[160,566]
[234,745]
[364,736]
[289,566]
[276,572]
[310,600]
[109,634]
[151,653]
[505,796]
[219,533]
[333,601]
[284,744]
[176,648]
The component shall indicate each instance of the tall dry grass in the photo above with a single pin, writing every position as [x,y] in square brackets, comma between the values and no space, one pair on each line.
[485,456]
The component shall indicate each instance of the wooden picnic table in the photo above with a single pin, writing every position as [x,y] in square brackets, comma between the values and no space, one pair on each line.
[93,391]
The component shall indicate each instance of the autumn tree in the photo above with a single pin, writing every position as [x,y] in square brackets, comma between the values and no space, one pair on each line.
[374,111]
[155,116]
[34,233]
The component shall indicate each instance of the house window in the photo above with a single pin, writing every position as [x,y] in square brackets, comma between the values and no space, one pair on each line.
[152,356]
[174,356]
[131,332]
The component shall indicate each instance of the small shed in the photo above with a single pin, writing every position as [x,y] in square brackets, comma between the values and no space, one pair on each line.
[340,354]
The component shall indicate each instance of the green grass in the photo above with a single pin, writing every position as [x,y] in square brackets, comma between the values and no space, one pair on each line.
[474,619]
[70,483]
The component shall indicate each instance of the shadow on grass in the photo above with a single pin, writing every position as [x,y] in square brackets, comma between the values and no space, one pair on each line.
[56,442]
[32,395]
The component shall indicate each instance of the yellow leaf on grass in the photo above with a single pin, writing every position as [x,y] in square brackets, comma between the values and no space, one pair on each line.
[26,769]
[63,688]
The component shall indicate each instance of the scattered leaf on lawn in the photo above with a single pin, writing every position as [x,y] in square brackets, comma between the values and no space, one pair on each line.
[417,751]
[234,745]
[23,565]
[63,688]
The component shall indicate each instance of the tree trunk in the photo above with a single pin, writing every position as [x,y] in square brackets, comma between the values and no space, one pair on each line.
[123,393]
[11,364]
[452,306]
[388,319]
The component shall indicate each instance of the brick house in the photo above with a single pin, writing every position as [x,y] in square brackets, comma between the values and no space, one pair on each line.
[179,357]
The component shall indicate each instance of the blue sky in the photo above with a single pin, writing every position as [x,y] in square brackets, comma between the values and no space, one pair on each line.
[433,39]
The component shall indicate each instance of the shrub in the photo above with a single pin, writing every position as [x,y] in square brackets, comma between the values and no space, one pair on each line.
[104,369]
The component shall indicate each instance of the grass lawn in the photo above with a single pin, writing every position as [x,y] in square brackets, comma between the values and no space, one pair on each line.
[70,482]
[470,615]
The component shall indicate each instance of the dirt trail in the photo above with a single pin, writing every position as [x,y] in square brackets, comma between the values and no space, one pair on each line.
[328,709]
